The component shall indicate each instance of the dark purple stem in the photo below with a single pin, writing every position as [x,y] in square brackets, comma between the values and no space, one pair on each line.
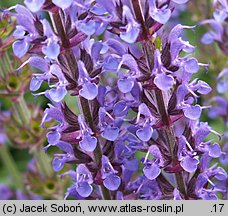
[83,102]
[167,130]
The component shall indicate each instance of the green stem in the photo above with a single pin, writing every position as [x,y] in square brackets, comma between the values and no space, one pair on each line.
[3,66]
[1,69]
[43,162]
[7,63]
[19,106]
[11,166]
[72,65]
[21,109]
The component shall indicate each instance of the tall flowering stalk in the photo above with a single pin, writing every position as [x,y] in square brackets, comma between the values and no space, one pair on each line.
[138,134]
[218,35]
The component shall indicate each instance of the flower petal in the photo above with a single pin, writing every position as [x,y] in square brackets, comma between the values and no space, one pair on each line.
[58,94]
[161,15]
[110,133]
[130,35]
[35,84]
[120,109]
[164,82]
[144,133]
[84,189]
[191,66]
[193,112]
[180,1]
[189,164]
[57,164]
[88,28]
[112,182]
[52,50]
[215,151]
[89,91]
[152,171]
[63,3]
[34,5]
[125,85]
[20,48]
[53,137]
[88,143]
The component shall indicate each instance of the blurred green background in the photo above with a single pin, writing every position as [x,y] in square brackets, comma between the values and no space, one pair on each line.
[8,3]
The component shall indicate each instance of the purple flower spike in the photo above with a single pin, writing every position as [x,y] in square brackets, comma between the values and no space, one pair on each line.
[34,5]
[135,84]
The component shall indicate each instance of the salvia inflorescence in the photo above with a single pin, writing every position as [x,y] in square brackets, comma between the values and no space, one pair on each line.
[136,132]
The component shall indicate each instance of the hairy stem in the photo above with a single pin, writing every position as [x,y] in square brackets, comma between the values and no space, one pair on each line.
[71,61]
[4,67]
[11,166]
[21,109]
[43,162]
